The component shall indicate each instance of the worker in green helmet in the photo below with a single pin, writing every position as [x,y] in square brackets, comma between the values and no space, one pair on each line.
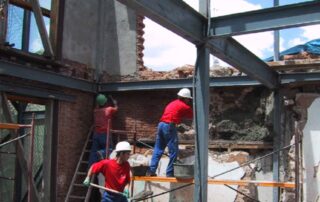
[105,109]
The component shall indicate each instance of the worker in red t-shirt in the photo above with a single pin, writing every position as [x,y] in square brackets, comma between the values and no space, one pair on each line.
[167,132]
[116,172]
[103,114]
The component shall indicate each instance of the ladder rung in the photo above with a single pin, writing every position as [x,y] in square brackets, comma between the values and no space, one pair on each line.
[85,162]
[87,150]
[77,197]
[81,173]
[78,185]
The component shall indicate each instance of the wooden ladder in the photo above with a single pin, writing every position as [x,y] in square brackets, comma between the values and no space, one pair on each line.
[77,191]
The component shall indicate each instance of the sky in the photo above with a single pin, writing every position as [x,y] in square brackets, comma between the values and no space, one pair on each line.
[165,50]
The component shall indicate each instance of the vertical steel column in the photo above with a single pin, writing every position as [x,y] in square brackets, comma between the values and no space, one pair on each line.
[276,38]
[276,140]
[30,166]
[26,29]
[297,161]
[201,104]
[47,153]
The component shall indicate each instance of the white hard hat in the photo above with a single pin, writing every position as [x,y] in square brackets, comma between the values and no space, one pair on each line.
[185,92]
[123,146]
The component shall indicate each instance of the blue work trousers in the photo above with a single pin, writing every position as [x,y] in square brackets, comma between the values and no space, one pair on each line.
[98,144]
[166,136]
[113,197]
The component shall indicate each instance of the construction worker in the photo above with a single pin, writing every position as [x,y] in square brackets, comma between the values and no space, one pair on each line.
[103,114]
[167,132]
[116,172]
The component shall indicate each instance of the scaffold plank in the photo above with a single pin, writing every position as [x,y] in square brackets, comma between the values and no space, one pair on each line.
[13,126]
[217,181]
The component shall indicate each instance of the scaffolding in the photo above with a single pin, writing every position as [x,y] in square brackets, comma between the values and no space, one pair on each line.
[13,126]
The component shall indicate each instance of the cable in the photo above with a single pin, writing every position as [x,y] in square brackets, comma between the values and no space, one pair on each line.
[241,193]
[20,137]
[253,160]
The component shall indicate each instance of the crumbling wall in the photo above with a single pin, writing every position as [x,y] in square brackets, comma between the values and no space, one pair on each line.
[241,114]
[235,113]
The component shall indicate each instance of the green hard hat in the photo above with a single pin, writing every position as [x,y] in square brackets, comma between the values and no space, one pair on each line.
[101,99]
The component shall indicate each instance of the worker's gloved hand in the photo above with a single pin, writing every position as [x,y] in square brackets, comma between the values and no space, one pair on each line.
[126,193]
[86,182]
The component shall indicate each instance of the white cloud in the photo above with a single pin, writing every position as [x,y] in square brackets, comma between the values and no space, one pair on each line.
[165,50]
[309,32]
[257,43]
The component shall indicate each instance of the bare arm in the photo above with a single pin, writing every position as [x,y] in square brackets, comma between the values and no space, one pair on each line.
[115,103]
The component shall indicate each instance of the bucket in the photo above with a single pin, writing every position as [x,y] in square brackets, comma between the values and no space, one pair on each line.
[183,170]
[139,170]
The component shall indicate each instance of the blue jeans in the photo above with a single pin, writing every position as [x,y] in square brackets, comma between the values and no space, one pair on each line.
[112,197]
[98,144]
[166,136]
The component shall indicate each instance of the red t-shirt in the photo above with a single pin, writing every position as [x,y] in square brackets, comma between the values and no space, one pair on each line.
[175,111]
[101,117]
[117,176]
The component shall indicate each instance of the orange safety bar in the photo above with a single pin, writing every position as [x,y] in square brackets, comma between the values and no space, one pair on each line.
[13,126]
[218,181]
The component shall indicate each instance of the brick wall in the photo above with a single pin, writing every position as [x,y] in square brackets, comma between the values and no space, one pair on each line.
[141,110]
[74,121]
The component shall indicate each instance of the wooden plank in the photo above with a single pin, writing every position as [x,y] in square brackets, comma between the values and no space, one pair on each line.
[13,126]
[218,181]
[42,28]
[3,21]
[28,6]
[297,64]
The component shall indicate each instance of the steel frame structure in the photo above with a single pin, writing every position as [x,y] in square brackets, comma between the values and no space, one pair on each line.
[180,18]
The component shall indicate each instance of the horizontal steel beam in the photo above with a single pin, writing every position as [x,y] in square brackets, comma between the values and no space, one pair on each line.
[177,83]
[20,71]
[232,81]
[281,17]
[35,92]
[181,19]
[297,78]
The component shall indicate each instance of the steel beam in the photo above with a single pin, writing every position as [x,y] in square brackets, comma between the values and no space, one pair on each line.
[231,51]
[181,19]
[176,16]
[20,71]
[233,81]
[280,17]
[276,140]
[175,83]
[35,92]
[302,77]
